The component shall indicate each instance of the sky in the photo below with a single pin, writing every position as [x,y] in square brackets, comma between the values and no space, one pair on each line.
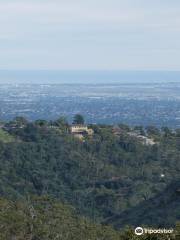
[90,34]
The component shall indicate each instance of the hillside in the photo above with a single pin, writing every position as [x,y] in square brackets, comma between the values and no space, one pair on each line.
[163,210]
[45,219]
[103,175]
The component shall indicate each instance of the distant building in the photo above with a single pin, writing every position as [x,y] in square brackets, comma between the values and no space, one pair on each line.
[80,131]
[143,139]
[78,128]
[117,131]
[146,140]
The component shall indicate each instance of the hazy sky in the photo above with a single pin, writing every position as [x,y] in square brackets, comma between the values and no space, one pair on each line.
[90,34]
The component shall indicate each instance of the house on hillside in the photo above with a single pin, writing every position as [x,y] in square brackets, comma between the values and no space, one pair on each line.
[79,131]
[117,131]
[146,141]
[143,139]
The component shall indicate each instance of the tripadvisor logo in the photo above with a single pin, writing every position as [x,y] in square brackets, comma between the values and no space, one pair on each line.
[140,231]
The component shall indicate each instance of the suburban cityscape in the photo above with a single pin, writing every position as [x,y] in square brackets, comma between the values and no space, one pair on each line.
[133,103]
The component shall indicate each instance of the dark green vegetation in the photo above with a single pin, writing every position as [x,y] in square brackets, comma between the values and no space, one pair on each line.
[105,177]
[157,211]
[78,119]
[42,218]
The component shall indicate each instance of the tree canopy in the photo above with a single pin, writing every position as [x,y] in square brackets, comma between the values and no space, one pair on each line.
[78,119]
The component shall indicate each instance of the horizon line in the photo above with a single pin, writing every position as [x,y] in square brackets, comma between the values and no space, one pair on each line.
[97,70]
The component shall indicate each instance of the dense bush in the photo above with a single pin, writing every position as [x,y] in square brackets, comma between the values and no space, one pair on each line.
[102,176]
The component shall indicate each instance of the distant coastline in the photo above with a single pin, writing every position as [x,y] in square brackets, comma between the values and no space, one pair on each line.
[86,77]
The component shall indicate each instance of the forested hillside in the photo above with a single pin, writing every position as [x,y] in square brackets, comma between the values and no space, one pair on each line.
[101,176]
[157,211]
[43,218]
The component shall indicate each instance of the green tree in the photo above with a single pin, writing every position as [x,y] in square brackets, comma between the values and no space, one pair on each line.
[62,121]
[152,130]
[78,119]
[41,123]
